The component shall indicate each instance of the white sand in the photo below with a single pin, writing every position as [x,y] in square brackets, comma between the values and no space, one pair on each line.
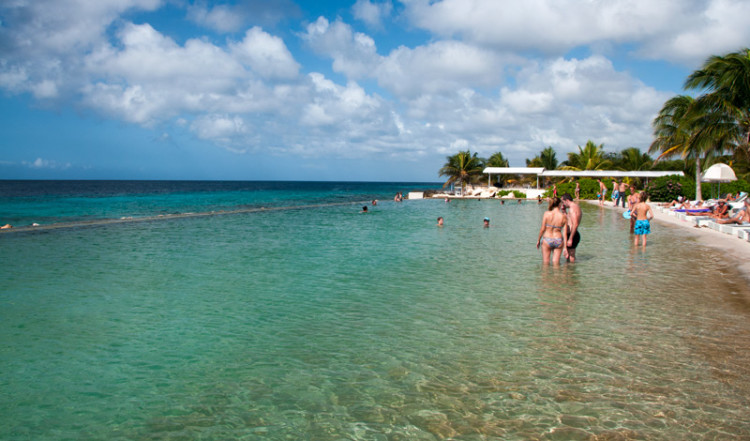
[734,247]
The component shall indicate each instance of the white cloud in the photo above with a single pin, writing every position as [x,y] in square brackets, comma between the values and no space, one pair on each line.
[40,163]
[41,39]
[266,55]
[439,67]
[713,27]
[221,128]
[676,30]
[150,78]
[354,54]
[469,84]
[236,16]
[149,57]
[372,13]
[223,18]
[337,104]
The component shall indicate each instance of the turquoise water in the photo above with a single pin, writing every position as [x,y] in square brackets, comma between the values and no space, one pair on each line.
[23,203]
[323,323]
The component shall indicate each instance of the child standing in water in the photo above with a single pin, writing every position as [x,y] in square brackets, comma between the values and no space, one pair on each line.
[642,213]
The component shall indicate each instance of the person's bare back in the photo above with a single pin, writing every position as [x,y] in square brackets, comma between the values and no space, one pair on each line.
[642,212]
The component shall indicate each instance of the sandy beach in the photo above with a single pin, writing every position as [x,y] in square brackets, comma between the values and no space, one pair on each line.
[736,248]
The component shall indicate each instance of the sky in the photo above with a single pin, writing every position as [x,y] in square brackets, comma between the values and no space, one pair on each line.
[319,90]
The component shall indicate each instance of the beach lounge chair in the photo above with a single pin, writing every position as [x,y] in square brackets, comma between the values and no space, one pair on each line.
[733,229]
[744,234]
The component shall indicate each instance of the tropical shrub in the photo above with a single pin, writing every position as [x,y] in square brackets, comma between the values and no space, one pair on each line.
[589,188]
[669,188]
[726,187]
[516,194]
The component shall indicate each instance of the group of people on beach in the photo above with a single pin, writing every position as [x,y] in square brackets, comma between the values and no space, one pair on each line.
[619,190]
[721,212]
[559,234]
[742,216]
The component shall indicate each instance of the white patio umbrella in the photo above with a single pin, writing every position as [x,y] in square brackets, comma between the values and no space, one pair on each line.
[719,173]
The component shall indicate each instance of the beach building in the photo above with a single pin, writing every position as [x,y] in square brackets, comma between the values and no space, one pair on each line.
[596,174]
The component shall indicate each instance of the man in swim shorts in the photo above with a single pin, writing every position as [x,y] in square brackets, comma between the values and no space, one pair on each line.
[642,213]
[573,211]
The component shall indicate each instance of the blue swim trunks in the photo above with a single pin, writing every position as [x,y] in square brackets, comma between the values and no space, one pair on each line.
[642,227]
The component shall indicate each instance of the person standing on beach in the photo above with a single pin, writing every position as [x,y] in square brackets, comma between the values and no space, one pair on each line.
[578,191]
[633,200]
[554,190]
[615,192]
[574,214]
[642,212]
[553,234]
[602,192]
[621,194]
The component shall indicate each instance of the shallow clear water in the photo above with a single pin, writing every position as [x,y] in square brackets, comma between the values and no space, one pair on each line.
[326,324]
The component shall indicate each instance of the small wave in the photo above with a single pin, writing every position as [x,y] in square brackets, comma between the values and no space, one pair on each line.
[163,217]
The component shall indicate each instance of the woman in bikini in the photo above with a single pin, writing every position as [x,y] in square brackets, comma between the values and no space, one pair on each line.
[553,234]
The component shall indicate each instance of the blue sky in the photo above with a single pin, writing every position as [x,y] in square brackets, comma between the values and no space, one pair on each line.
[336,90]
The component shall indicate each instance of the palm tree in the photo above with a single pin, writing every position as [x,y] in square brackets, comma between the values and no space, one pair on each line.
[589,157]
[692,129]
[632,159]
[727,78]
[498,160]
[548,158]
[462,167]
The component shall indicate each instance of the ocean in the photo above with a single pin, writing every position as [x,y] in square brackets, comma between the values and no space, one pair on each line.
[279,311]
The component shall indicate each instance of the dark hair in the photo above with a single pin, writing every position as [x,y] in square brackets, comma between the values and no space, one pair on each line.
[553,203]
[567,197]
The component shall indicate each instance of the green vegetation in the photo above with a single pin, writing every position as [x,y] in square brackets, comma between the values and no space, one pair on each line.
[668,188]
[463,167]
[498,160]
[516,194]
[589,157]
[714,124]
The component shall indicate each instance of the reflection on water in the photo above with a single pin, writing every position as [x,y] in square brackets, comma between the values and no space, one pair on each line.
[327,325]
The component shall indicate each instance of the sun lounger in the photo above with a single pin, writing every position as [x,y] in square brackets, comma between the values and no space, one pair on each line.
[732,228]
[695,219]
[693,210]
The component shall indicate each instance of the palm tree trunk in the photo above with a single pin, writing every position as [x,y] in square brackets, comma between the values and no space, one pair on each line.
[698,194]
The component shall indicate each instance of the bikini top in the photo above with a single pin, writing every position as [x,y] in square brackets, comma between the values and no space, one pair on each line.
[553,226]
